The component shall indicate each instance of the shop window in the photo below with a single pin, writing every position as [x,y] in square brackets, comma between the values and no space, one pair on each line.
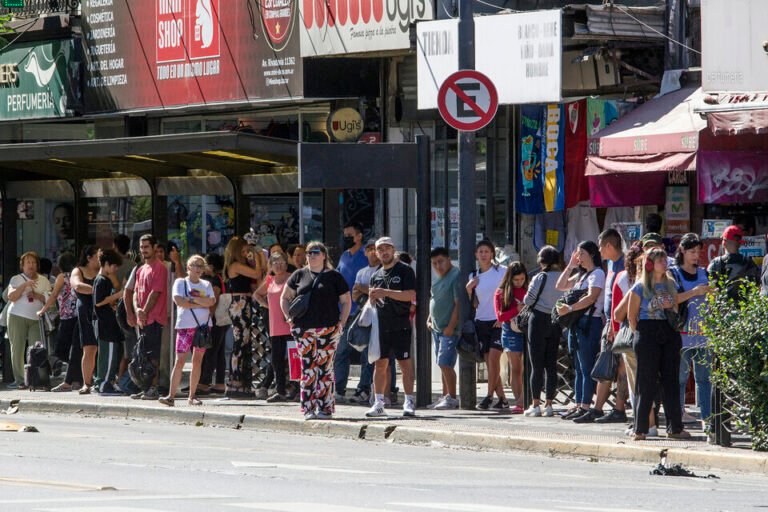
[200,224]
[112,216]
[45,226]
[182,126]
[275,219]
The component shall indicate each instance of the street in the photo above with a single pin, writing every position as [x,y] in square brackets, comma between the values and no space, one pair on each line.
[85,464]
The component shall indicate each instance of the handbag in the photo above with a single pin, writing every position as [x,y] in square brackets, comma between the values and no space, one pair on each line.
[570,298]
[358,334]
[474,300]
[202,338]
[141,369]
[468,346]
[300,304]
[606,367]
[520,322]
[294,362]
[678,319]
[624,340]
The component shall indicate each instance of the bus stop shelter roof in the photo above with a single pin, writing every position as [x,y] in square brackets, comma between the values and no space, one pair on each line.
[227,153]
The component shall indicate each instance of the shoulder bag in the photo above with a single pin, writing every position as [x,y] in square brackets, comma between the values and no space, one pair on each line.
[624,341]
[606,366]
[468,346]
[570,298]
[202,337]
[300,304]
[520,322]
[678,319]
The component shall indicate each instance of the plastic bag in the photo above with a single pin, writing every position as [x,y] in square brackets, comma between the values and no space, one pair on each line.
[374,348]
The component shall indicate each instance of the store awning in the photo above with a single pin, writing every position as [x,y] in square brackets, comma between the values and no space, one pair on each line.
[661,135]
[735,113]
[227,153]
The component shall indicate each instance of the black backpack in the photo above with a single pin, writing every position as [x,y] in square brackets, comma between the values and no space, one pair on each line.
[37,371]
[141,369]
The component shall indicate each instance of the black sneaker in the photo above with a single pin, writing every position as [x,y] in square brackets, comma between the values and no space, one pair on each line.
[614,417]
[484,404]
[108,389]
[500,405]
[575,413]
[588,417]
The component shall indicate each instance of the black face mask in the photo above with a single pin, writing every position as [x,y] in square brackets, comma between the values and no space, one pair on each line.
[349,242]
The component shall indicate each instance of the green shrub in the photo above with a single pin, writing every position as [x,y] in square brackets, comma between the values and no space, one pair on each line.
[738,336]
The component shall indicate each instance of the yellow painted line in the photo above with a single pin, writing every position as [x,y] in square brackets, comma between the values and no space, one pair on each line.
[54,484]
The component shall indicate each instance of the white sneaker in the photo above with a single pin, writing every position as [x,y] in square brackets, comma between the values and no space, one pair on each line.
[653,432]
[376,411]
[533,411]
[437,402]
[548,412]
[447,403]
[409,408]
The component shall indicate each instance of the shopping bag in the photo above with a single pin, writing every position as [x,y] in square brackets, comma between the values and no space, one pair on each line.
[294,361]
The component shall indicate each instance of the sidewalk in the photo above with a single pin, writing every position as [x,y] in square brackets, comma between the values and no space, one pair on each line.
[467,429]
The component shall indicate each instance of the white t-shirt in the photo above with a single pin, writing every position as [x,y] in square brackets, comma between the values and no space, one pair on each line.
[23,307]
[596,279]
[486,289]
[363,276]
[184,318]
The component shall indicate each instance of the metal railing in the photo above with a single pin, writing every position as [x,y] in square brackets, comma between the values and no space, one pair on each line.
[38,7]
[731,417]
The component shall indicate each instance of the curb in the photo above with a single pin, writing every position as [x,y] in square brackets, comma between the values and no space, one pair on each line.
[746,462]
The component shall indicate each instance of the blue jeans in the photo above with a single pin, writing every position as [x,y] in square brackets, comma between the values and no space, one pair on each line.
[702,364]
[445,349]
[584,343]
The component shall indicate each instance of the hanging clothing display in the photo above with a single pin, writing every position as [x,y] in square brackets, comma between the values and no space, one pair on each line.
[582,225]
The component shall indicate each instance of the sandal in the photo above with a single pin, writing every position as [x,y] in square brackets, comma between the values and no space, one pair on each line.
[85,390]
[167,400]
[639,437]
[194,401]
[62,388]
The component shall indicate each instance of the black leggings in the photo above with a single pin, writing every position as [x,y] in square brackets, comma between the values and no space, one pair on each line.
[658,353]
[215,357]
[66,335]
[543,342]
[75,368]
[280,360]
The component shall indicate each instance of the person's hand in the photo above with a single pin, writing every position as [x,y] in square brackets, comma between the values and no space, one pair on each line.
[30,285]
[563,310]
[610,335]
[574,261]
[667,303]
[376,293]
[448,331]
[497,324]
[41,312]
[472,284]
[174,256]
[340,327]
[429,323]
[702,289]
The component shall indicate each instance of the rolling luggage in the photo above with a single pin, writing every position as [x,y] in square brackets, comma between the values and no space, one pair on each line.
[37,371]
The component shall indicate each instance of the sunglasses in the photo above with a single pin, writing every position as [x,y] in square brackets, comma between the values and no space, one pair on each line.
[314,252]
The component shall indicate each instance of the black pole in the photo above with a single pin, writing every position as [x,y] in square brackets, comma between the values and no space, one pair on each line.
[423,275]
[467,205]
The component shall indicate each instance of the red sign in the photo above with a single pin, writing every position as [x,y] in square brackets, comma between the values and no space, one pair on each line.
[191,52]
[467,100]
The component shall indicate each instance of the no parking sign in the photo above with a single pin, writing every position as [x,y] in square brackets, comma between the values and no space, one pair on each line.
[467,100]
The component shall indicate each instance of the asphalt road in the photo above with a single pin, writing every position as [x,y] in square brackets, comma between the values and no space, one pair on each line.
[84,465]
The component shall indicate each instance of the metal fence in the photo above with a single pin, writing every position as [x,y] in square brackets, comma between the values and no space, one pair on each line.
[38,7]
[731,417]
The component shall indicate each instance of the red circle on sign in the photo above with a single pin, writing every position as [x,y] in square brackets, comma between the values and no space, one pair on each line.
[485,115]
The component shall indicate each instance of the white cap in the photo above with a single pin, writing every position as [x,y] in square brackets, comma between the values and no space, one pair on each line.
[385,240]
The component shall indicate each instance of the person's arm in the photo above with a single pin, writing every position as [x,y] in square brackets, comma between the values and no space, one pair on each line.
[633,310]
[620,311]
[216,295]
[566,281]
[398,295]
[107,299]
[454,321]
[285,301]
[175,257]
[260,295]
[57,286]
[80,286]
[239,269]
[15,293]
[346,306]
[533,289]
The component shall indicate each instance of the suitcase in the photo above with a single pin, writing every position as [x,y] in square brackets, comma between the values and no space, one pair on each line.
[37,371]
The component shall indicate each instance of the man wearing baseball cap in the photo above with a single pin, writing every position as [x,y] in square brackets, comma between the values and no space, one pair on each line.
[651,241]
[733,266]
[392,290]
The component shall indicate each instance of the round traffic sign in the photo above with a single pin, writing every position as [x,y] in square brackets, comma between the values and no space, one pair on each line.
[467,100]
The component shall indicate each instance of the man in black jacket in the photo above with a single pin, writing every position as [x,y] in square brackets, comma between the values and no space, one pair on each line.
[733,266]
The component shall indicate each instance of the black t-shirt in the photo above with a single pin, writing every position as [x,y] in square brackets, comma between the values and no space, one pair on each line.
[106,319]
[324,303]
[394,314]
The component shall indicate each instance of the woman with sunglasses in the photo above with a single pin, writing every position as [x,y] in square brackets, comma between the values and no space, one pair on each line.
[318,330]
[657,346]
[193,297]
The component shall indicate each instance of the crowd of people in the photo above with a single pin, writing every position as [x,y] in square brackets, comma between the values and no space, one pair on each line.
[112,311]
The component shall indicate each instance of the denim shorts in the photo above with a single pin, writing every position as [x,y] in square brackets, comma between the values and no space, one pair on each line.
[445,349]
[511,341]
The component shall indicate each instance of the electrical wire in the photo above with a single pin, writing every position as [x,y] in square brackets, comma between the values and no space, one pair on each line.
[621,10]
[26,28]
[229,49]
[189,58]
[497,7]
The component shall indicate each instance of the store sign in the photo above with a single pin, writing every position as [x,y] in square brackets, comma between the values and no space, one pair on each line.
[345,125]
[734,57]
[337,27]
[713,228]
[521,53]
[147,54]
[677,209]
[732,176]
[39,80]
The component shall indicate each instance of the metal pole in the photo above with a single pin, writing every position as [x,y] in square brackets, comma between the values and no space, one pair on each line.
[423,275]
[467,206]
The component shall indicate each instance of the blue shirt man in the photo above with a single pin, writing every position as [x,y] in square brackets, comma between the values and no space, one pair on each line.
[353,259]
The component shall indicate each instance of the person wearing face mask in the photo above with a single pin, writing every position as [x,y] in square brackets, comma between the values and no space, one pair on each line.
[352,260]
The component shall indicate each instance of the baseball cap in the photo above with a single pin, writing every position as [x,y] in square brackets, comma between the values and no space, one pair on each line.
[385,240]
[734,234]
[651,238]
[371,242]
